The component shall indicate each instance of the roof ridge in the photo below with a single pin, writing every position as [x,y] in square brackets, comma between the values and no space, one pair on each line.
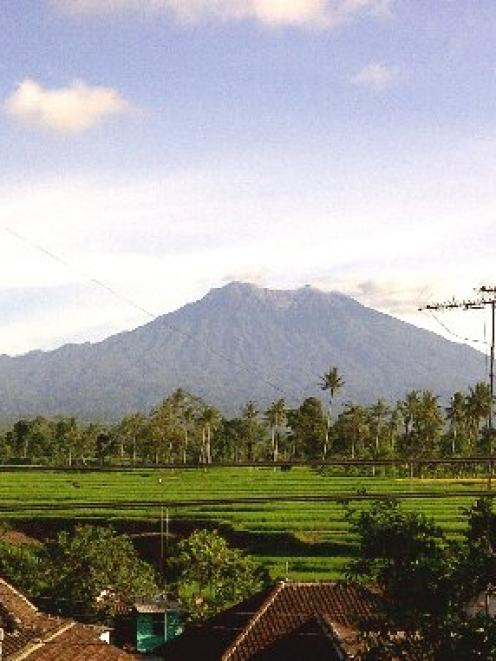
[268,602]
[33,647]
[19,595]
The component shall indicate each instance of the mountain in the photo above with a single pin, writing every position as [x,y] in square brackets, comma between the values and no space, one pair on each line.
[239,342]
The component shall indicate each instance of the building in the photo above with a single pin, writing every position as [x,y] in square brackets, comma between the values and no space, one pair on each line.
[149,623]
[288,621]
[33,635]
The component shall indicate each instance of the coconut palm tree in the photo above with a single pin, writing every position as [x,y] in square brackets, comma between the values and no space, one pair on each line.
[276,417]
[210,420]
[478,407]
[333,382]
[249,415]
[378,412]
[455,413]
[356,424]
[128,430]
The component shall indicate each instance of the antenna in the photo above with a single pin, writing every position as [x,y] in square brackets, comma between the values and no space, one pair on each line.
[487,299]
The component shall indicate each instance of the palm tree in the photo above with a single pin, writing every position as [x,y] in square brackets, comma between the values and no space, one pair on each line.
[478,407]
[333,382]
[249,414]
[408,409]
[210,420]
[356,419]
[455,414]
[276,416]
[378,411]
[188,419]
[429,424]
[129,430]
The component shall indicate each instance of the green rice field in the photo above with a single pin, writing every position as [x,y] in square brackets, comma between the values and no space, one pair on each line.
[292,521]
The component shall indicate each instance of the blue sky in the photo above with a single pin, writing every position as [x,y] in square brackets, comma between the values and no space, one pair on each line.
[168,146]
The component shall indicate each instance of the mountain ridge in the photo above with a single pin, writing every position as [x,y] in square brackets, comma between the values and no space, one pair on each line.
[239,342]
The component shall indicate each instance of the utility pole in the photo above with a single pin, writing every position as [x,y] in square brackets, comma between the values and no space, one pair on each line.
[487,298]
[484,290]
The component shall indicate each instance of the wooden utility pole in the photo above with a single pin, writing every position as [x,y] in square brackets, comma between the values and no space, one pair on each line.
[487,298]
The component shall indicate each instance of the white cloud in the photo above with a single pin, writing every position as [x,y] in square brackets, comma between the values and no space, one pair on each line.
[376,76]
[324,13]
[71,109]
[397,296]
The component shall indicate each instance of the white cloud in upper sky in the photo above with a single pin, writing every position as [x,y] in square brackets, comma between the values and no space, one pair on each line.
[323,13]
[72,109]
[376,76]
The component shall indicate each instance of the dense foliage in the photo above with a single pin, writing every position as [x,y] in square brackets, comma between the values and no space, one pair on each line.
[212,576]
[87,574]
[183,429]
[429,585]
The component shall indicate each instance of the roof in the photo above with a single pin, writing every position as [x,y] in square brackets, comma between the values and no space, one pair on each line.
[159,604]
[75,641]
[287,621]
[34,635]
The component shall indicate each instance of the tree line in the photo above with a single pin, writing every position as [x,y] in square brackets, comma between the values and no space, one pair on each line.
[183,429]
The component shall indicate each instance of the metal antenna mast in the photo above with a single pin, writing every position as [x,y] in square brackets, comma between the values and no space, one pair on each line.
[487,299]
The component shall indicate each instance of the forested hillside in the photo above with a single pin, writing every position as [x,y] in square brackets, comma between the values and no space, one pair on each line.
[238,343]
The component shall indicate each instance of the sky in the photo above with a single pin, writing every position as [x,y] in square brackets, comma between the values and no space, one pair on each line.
[154,149]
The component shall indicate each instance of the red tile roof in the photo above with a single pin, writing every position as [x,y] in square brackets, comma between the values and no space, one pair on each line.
[314,616]
[76,641]
[31,634]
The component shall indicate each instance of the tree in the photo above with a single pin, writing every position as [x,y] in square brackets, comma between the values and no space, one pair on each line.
[354,423]
[20,437]
[308,424]
[130,430]
[423,423]
[93,571]
[478,408]
[276,416]
[22,565]
[333,382]
[212,576]
[379,411]
[162,427]
[403,553]
[426,582]
[455,414]
[210,420]
[252,430]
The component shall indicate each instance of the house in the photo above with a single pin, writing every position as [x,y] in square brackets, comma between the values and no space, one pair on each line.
[33,635]
[150,623]
[288,621]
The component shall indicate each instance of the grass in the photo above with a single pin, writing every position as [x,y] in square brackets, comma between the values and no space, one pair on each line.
[306,540]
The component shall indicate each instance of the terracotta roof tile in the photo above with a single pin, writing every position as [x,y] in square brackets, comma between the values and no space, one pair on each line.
[317,615]
[77,641]
[31,634]
[292,604]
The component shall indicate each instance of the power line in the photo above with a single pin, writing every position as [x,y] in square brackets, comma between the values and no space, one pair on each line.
[448,330]
[480,303]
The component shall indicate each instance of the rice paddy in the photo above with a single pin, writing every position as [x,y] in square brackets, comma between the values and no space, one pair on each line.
[292,521]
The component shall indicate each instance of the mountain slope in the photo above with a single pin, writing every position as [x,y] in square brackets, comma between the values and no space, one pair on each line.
[239,342]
